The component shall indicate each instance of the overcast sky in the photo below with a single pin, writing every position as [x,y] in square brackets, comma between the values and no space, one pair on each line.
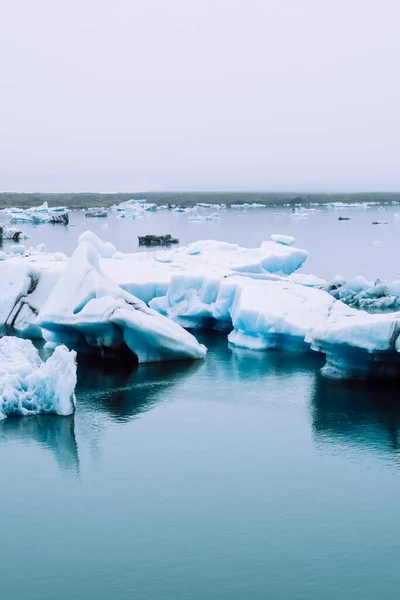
[129,95]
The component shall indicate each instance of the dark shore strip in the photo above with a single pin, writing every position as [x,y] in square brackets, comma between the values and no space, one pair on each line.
[89,200]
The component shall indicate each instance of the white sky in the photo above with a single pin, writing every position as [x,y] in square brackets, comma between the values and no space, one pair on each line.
[114,95]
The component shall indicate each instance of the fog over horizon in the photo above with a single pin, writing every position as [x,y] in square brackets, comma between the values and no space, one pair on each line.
[189,95]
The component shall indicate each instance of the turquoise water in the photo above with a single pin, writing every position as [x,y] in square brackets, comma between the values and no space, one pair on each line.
[243,476]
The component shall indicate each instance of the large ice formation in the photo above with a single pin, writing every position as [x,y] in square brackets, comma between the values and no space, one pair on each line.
[90,313]
[30,386]
[110,303]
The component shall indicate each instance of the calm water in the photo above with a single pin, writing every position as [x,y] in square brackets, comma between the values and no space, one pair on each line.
[344,247]
[245,476]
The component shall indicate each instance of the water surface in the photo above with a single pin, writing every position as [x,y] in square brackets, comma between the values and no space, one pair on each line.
[242,476]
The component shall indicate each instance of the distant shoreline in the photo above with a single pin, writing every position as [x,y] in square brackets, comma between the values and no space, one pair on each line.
[87,200]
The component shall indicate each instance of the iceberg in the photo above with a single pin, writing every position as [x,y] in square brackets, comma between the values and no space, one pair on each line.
[357,345]
[136,305]
[30,386]
[88,312]
[246,205]
[9,233]
[133,209]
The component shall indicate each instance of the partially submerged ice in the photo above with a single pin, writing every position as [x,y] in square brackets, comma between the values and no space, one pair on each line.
[138,305]
[30,386]
[90,313]
[357,345]
[37,214]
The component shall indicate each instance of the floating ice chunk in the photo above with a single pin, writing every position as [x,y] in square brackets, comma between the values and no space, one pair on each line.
[203,218]
[38,214]
[344,205]
[210,205]
[90,313]
[286,240]
[377,244]
[3,255]
[133,209]
[29,386]
[246,205]
[9,233]
[103,249]
[357,344]
[302,212]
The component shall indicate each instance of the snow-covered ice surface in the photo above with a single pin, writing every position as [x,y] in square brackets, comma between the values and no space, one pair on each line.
[30,386]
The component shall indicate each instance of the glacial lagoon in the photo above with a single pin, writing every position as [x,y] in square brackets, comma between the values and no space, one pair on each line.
[246,475]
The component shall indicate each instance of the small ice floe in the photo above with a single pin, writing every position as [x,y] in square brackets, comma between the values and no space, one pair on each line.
[302,212]
[246,205]
[286,240]
[344,205]
[203,218]
[93,213]
[9,233]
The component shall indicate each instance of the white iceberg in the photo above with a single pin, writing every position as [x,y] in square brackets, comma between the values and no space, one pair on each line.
[90,313]
[133,209]
[30,386]
[357,345]
[286,240]
[38,214]
[246,205]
